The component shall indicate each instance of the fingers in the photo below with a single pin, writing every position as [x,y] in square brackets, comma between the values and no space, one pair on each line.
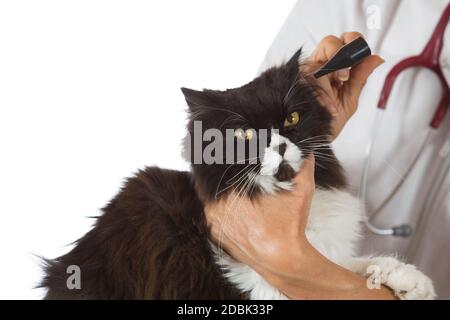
[347,37]
[361,72]
[342,88]
[327,97]
[326,49]
[359,75]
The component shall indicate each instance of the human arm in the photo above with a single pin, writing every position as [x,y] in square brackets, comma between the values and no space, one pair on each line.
[270,234]
[270,237]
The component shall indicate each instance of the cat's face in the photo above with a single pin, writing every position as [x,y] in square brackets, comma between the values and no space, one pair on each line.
[277,113]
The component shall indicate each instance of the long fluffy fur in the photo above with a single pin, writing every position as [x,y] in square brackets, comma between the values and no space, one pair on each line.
[152,241]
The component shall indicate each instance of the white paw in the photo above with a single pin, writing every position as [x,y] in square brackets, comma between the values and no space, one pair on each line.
[405,280]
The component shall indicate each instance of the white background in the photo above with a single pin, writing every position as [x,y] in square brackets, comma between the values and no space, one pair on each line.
[89,93]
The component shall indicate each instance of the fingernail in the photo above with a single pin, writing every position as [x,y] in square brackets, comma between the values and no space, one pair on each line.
[343,75]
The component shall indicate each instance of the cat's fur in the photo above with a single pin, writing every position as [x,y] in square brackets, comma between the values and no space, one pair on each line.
[152,240]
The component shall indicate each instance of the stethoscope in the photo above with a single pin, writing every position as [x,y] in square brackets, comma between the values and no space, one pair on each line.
[428,58]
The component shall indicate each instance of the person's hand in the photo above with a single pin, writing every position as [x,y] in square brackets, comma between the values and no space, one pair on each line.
[268,232]
[269,236]
[341,89]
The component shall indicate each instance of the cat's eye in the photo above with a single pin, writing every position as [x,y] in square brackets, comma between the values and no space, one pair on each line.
[241,134]
[292,119]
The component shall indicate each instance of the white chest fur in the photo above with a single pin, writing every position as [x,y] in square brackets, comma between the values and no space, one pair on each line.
[333,229]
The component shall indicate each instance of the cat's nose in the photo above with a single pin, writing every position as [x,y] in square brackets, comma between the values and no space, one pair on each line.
[282,148]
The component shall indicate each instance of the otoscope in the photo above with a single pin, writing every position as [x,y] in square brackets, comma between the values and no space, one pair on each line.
[349,55]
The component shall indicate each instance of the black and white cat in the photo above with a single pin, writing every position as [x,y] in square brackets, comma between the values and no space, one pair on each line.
[152,241]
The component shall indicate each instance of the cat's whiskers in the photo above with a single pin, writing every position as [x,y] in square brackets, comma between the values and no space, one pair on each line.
[229,209]
[239,193]
[235,182]
[244,184]
[243,162]
[301,103]
[233,118]
[325,158]
[231,166]
[323,137]
[322,155]
[229,111]
[319,144]
[245,192]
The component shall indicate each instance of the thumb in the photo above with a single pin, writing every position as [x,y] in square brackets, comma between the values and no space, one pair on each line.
[360,73]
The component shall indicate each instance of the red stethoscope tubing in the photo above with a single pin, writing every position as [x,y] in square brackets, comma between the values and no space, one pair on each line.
[428,58]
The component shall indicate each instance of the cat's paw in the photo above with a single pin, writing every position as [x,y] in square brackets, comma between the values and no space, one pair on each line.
[405,280]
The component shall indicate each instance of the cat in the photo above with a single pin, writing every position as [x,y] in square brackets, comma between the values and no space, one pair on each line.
[152,240]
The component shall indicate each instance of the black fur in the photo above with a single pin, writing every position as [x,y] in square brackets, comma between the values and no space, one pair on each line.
[264,103]
[152,240]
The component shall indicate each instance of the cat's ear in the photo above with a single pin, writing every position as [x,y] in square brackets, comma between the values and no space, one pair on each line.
[195,99]
[294,61]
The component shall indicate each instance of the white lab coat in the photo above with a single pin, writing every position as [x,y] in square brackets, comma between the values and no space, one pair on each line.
[405,27]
